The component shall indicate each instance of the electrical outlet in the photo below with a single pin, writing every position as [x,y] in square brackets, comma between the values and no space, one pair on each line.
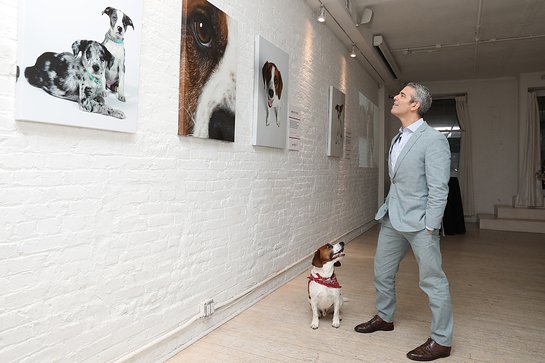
[207,308]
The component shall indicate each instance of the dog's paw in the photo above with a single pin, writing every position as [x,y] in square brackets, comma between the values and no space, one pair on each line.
[336,323]
[314,324]
[118,114]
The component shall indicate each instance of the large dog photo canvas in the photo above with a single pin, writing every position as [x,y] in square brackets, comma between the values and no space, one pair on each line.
[336,111]
[271,95]
[78,63]
[208,72]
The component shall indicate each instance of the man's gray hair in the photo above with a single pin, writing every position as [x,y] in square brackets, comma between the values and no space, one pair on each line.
[422,95]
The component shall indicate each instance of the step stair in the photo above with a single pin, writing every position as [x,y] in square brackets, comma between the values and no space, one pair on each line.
[507,218]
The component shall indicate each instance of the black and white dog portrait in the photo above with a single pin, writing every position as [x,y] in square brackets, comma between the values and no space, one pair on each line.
[336,115]
[340,129]
[114,41]
[84,55]
[75,78]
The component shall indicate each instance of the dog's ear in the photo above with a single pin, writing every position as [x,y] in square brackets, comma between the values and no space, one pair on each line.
[317,260]
[108,11]
[264,73]
[108,57]
[127,22]
[280,84]
[79,46]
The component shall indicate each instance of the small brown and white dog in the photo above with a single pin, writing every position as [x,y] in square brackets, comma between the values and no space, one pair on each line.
[272,81]
[324,291]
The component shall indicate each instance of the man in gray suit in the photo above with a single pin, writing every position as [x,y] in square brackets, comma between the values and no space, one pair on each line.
[419,167]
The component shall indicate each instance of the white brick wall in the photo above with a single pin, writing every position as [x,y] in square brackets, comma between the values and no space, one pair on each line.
[109,241]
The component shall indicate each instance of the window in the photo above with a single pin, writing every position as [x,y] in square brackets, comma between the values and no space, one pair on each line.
[541,106]
[442,117]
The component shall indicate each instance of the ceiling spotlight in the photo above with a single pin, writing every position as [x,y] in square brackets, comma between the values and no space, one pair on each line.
[353,53]
[321,16]
[366,16]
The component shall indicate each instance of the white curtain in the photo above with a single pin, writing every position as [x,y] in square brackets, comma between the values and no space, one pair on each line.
[465,171]
[529,192]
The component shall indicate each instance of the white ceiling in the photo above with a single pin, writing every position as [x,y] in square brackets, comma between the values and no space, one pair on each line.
[444,39]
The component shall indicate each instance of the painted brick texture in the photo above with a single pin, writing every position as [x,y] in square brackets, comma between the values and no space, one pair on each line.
[109,240]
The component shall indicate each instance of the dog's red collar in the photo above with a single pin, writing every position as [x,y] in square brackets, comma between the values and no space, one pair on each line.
[326,281]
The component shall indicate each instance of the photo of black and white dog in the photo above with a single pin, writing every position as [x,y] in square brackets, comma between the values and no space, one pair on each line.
[89,60]
[337,111]
[114,41]
[81,79]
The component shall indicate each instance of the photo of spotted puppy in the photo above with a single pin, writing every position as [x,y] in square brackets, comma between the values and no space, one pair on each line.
[79,71]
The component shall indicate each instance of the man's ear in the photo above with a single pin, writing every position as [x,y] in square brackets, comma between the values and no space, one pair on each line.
[415,105]
[317,261]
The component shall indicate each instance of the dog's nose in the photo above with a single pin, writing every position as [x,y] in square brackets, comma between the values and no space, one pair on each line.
[222,125]
[96,68]
[271,93]
[119,29]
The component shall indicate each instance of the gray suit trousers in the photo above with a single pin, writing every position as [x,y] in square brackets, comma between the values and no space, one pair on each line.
[392,246]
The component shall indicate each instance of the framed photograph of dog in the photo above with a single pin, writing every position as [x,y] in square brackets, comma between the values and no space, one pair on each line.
[208,72]
[79,63]
[368,147]
[335,136]
[271,95]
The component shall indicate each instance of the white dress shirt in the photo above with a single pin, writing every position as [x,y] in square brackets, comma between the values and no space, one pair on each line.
[406,134]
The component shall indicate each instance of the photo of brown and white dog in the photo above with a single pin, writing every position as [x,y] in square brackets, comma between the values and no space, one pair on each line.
[272,81]
[271,94]
[79,79]
[324,291]
[114,42]
[207,72]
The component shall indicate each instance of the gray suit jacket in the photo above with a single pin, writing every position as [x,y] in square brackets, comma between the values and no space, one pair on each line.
[419,182]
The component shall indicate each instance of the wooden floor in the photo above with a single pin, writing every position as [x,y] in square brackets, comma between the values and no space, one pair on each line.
[497,282]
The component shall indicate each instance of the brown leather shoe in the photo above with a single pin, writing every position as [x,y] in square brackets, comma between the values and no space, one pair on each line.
[430,350]
[374,325]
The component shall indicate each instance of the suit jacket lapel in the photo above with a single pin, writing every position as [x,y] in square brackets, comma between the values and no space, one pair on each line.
[390,170]
[409,145]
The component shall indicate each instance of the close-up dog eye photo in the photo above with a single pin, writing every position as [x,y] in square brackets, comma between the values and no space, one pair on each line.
[208,72]
[80,70]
